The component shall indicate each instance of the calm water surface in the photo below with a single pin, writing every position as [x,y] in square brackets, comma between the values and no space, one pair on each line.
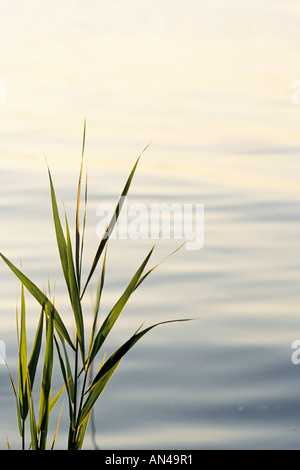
[210,82]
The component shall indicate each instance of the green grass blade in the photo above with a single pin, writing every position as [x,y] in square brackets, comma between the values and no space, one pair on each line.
[74,293]
[41,298]
[68,372]
[45,396]
[56,431]
[77,247]
[122,350]
[33,426]
[98,298]
[108,369]
[23,370]
[68,380]
[60,238]
[94,395]
[116,310]
[112,223]
[36,349]
[83,229]
[158,264]
[56,398]
[81,433]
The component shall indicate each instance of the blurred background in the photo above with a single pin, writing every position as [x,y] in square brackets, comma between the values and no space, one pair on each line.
[210,82]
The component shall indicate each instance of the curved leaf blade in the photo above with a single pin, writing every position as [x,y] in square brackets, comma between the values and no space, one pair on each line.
[60,237]
[74,295]
[35,353]
[116,310]
[41,298]
[108,369]
[113,222]
[45,396]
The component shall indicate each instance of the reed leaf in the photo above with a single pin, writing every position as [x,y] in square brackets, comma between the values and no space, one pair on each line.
[83,230]
[41,298]
[74,294]
[116,310]
[36,349]
[81,433]
[112,222]
[98,298]
[56,431]
[56,398]
[122,350]
[33,426]
[60,237]
[23,369]
[68,380]
[67,263]
[45,396]
[94,395]
[77,247]
[108,369]
[142,278]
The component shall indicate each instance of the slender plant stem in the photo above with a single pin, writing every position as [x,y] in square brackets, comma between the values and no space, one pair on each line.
[23,434]
[75,377]
[72,431]
[80,405]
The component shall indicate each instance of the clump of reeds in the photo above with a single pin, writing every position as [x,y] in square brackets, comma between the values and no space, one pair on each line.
[82,391]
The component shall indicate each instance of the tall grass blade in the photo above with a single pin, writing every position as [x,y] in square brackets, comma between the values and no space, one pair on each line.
[45,396]
[94,395]
[68,380]
[36,349]
[81,433]
[122,350]
[41,298]
[74,294]
[116,310]
[60,238]
[112,223]
[56,398]
[106,372]
[98,298]
[33,426]
[23,370]
[158,264]
[66,257]
[56,431]
[77,247]
[83,230]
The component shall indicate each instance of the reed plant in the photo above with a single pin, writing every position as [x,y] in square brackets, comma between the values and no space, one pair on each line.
[75,356]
